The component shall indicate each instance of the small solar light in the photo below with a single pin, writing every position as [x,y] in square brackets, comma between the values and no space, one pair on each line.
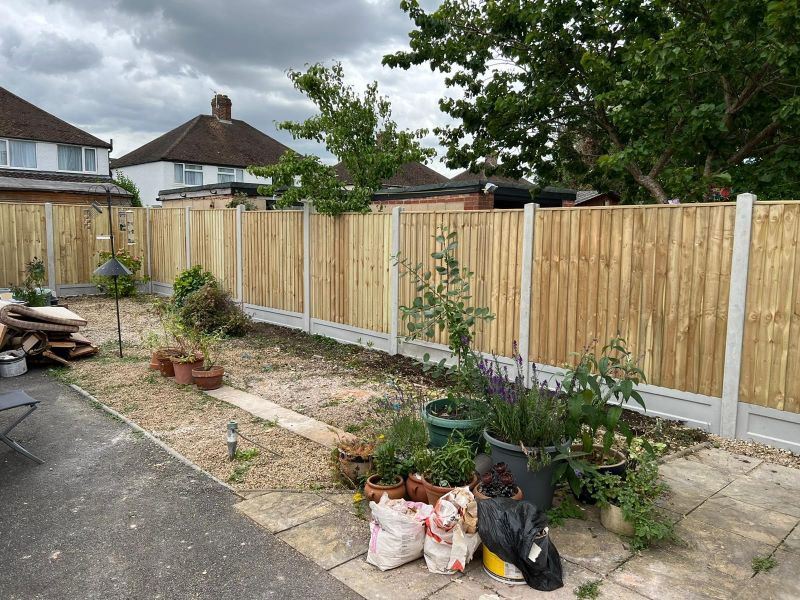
[232,438]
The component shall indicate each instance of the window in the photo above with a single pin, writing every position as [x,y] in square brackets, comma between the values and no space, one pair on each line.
[193,174]
[188,174]
[89,159]
[224,174]
[3,152]
[69,158]
[239,174]
[22,154]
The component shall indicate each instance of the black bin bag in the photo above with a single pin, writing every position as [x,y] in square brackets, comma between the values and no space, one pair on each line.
[510,528]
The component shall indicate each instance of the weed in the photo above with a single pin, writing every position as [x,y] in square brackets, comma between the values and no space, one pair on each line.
[763,564]
[568,509]
[329,404]
[246,455]
[239,473]
[589,590]
[264,422]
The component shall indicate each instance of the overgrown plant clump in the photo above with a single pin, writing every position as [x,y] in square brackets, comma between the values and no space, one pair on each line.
[32,288]
[637,494]
[210,309]
[126,284]
[188,281]
[443,303]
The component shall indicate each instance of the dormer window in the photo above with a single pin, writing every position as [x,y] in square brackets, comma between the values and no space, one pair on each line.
[77,159]
[17,153]
[229,174]
[188,174]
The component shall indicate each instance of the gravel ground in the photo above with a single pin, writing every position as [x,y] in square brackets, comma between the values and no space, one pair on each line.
[335,383]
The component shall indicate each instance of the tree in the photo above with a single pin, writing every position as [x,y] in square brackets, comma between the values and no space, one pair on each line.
[356,128]
[127,184]
[659,99]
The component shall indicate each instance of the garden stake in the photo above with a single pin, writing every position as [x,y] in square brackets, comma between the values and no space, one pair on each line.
[232,438]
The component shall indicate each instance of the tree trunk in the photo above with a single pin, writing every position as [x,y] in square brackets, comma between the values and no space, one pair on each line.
[649,183]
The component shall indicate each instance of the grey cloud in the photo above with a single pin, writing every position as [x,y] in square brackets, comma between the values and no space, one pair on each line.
[53,53]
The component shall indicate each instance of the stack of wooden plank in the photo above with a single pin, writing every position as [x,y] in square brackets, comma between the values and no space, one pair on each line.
[49,333]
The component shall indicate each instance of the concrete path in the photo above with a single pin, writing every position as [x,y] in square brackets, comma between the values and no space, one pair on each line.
[728,510]
[316,431]
[111,515]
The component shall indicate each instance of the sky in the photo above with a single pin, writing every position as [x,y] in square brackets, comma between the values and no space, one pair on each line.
[130,70]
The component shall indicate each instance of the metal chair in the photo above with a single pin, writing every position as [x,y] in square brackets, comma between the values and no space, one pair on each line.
[17,399]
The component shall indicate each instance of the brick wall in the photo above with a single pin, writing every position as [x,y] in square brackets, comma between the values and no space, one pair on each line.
[39,197]
[468,201]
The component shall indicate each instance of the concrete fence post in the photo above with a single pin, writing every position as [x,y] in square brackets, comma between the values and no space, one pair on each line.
[50,238]
[307,207]
[526,279]
[188,236]
[149,245]
[737,305]
[394,281]
[239,255]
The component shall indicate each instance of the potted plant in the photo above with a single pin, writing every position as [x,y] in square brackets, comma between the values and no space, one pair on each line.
[415,482]
[387,478]
[187,356]
[597,388]
[498,482]
[525,428]
[443,304]
[628,505]
[451,466]
[209,375]
[354,459]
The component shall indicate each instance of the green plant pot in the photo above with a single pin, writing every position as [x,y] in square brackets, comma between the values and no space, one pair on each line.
[440,429]
[536,486]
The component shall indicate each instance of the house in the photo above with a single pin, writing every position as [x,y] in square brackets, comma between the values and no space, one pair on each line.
[596,198]
[45,159]
[200,154]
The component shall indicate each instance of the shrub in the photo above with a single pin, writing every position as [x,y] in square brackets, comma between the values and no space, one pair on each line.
[31,290]
[126,284]
[188,281]
[452,465]
[210,309]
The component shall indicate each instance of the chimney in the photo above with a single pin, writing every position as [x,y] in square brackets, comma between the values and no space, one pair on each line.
[221,107]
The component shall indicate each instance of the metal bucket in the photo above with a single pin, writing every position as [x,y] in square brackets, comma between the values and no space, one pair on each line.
[499,570]
[13,363]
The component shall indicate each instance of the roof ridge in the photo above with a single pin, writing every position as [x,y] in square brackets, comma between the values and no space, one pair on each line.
[191,123]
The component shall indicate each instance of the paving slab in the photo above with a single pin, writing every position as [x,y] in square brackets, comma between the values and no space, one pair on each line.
[792,541]
[780,583]
[344,501]
[727,552]
[278,511]
[750,521]
[412,581]
[786,477]
[316,431]
[733,465]
[329,540]
[683,496]
[764,493]
[589,545]
[702,477]
[476,583]
[663,575]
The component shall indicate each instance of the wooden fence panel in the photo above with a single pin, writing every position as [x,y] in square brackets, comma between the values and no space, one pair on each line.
[273,259]
[771,348]
[659,276]
[76,229]
[213,243]
[490,245]
[22,238]
[350,269]
[168,243]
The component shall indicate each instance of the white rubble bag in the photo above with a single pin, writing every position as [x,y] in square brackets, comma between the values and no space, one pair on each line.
[397,532]
[451,536]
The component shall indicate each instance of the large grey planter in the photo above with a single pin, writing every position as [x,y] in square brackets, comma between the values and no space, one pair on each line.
[536,486]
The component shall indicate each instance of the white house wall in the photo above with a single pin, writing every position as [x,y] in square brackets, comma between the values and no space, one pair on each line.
[47,160]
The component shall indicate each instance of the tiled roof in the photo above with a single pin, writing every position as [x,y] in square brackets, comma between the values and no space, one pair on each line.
[410,174]
[22,120]
[209,141]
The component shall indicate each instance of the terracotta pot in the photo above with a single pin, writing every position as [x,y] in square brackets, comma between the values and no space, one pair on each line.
[354,468]
[373,491]
[435,492]
[479,495]
[415,488]
[208,379]
[183,370]
[163,356]
[612,519]
[155,361]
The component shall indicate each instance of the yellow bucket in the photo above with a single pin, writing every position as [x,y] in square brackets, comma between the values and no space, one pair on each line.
[497,569]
